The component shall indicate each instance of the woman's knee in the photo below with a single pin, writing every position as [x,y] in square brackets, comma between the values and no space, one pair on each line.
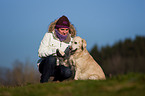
[66,72]
[47,63]
[51,59]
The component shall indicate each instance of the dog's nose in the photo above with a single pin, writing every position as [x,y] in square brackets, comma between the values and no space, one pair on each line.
[70,47]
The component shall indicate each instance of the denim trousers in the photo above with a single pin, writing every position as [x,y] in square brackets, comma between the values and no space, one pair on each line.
[48,68]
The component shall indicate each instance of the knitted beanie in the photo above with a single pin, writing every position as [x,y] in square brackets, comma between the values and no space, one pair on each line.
[62,22]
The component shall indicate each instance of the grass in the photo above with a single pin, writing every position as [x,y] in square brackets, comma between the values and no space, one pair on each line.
[122,85]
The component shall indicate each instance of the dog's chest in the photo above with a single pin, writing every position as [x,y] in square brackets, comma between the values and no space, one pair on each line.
[80,64]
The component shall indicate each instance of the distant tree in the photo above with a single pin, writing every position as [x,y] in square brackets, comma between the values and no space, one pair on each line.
[139,44]
[123,57]
[95,54]
[20,74]
[106,52]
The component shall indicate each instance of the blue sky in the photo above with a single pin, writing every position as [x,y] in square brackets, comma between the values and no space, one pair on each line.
[23,23]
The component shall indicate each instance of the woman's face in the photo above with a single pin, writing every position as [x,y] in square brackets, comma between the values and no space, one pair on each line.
[63,31]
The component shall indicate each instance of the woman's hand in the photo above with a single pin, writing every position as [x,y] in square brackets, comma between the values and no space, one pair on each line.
[60,53]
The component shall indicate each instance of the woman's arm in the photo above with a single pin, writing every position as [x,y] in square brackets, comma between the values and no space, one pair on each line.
[45,49]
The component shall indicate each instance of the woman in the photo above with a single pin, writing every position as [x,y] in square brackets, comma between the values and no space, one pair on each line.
[57,39]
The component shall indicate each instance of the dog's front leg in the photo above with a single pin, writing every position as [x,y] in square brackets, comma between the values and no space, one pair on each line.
[71,60]
[78,73]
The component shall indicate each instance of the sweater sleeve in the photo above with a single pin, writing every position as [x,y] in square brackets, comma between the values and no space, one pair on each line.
[45,48]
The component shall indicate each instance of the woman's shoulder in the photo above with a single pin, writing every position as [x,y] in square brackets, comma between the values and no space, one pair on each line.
[48,34]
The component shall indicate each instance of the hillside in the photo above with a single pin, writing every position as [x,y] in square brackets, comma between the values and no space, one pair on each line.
[121,85]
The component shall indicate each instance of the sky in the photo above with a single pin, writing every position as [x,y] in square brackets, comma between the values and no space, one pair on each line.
[23,24]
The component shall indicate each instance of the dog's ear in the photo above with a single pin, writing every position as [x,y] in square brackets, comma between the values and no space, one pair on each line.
[84,44]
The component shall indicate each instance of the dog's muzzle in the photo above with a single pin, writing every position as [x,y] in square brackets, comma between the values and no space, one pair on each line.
[73,51]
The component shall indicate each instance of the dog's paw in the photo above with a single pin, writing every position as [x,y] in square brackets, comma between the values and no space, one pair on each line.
[75,78]
[93,78]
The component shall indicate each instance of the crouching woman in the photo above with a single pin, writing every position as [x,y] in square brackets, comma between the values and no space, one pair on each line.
[58,38]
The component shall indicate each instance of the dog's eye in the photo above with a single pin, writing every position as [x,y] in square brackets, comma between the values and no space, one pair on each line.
[75,42]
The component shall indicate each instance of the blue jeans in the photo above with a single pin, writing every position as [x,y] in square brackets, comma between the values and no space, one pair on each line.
[48,68]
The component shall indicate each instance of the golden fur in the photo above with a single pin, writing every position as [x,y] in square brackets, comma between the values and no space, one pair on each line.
[86,67]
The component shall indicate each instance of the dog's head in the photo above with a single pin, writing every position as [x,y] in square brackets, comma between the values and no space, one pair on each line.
[78,44]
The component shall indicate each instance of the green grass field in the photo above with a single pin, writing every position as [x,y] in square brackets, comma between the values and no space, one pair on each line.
[123,85]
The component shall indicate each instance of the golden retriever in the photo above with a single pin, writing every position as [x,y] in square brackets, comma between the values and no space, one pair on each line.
[85,66]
